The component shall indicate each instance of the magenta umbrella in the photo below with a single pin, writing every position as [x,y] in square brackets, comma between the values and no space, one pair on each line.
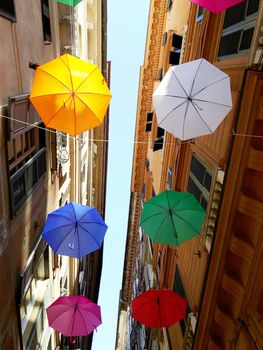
[74,315]
[216,5]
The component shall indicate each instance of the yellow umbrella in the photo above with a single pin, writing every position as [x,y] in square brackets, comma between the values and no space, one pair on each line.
[70,94]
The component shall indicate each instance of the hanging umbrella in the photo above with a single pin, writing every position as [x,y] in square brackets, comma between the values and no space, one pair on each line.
[74,315]
[216,6]
[70,94]
[74,230]
[192,99]
[158,308]
[69,2]
[172,217]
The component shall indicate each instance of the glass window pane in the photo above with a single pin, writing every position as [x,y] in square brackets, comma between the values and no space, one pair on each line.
[197,169]
[252,7]
[229,44]
[192,188]
[235,14]
[246,39]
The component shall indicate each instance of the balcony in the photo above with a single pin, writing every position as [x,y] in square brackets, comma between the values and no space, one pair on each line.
[24,180]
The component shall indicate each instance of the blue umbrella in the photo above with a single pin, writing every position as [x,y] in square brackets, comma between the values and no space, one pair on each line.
[74,230]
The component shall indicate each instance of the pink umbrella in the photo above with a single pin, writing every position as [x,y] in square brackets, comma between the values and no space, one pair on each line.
[74,315]
[216,5]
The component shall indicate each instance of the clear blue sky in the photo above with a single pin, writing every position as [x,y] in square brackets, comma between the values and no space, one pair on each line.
[127,24]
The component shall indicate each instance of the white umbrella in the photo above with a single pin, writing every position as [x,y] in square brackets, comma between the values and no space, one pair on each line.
[192,99]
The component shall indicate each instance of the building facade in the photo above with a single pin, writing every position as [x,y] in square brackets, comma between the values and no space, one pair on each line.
[42,169]
[218,272]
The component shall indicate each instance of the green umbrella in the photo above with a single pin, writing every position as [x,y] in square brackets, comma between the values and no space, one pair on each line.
[69,2]
[172,217]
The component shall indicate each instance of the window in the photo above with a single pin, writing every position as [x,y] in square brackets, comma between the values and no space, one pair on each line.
[46,21]
[36,270]
[7,9]
[160,74]
[238,29]
[27,163]
[177,41]
[200,180]
[169,5]
[164,38]
[174,58]
[169,179]
[158,143]
[179,289]
[148,126]
[199,14]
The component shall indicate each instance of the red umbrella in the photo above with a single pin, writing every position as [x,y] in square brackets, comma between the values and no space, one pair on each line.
[158,308]
[216,5]
[74,315]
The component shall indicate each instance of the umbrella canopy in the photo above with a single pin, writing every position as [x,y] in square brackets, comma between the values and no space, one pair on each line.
[70,94]
[74,315]
[172,217]
[158,308]
[192,99]
[69,2]
[74,230]
[216,5]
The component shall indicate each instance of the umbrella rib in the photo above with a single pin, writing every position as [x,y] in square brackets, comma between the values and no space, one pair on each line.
[56,112]
[93,222]
[58,227]
[216,103]
[85,307]
[188,223]
[62,312]
[209,86]
[77,96]
[150,217]
[187,96]
[193,82]
[65,86]
[89,234]
[202,118]
[184,120]
[79,311]
[51,94]
[92,93]
[182,199]
[59,215]
[85,214]
[175,232]
[159,228]
[88,76]
[63,240]
[74,316]
[167,115]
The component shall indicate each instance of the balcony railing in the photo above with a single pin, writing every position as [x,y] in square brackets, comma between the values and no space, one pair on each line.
[24,180]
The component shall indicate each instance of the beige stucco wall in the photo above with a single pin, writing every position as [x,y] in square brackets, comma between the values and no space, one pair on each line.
[177,17]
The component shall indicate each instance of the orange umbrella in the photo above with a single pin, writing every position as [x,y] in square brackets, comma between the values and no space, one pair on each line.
[70,94]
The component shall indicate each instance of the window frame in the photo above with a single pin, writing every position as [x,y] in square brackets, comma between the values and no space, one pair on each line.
[204,191]
[248,22]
